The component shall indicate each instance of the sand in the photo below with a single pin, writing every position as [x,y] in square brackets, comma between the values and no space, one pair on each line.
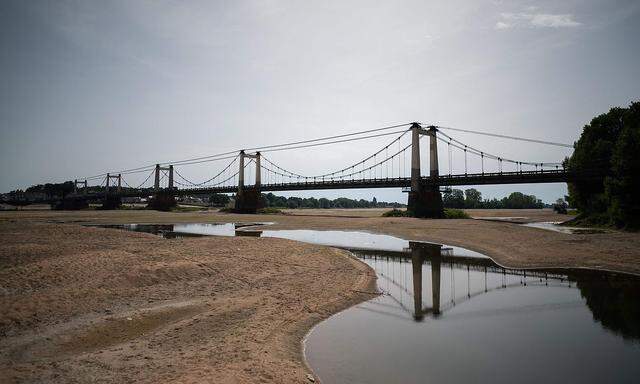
[90,304]
[99,305]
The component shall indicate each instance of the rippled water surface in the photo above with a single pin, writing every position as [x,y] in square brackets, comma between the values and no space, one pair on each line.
[449,315]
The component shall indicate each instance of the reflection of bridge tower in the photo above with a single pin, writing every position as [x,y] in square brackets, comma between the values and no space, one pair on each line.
[248,200]
[424,201]
[419,253]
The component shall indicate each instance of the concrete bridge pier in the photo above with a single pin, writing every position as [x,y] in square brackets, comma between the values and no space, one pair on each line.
[424,201]
[163,198]
[248,198]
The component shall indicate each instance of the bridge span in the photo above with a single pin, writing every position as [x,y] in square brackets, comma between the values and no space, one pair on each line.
[396,165]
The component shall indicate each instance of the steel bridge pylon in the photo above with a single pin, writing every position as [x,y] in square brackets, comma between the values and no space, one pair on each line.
[424,201]
[163,198]
[112,201]
[248,199]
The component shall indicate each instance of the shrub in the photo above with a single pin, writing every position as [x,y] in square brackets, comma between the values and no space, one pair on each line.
[395,213]
[451,213]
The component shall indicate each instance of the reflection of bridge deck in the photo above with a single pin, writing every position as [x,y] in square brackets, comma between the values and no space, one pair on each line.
[418,253]
[462,262]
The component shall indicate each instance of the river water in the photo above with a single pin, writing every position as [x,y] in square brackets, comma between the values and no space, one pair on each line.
[450,315]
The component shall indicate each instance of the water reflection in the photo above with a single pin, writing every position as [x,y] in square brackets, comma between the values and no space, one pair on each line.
[450,318]
[614,302]
[612,298]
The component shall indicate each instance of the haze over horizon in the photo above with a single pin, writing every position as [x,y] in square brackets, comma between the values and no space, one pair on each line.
[97,86]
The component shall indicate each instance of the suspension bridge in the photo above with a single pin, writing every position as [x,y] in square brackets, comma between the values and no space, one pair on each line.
[397,164]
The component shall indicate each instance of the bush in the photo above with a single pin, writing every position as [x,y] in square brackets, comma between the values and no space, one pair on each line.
[450,213]
[560,208]
[395,213]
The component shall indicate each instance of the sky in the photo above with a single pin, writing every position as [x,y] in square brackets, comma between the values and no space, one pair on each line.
[96,86]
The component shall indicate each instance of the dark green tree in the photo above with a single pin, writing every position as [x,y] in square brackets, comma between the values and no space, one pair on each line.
[453,198]
[610,144]
[472,198]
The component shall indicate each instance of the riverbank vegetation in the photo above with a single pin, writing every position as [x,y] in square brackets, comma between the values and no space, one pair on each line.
[472,199]
[271,200]
[449,213]
[609,144]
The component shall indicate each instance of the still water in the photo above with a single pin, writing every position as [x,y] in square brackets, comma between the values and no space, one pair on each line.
[450,315]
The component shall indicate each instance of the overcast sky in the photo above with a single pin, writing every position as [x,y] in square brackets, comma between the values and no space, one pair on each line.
[94,86]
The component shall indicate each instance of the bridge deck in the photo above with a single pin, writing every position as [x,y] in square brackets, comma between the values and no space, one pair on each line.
[547,176]
[524,177]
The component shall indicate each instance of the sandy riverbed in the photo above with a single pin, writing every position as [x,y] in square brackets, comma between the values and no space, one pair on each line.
[89,304]
[97,305]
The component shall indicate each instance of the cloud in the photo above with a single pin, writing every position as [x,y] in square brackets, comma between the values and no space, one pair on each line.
[553,21]
[536,20]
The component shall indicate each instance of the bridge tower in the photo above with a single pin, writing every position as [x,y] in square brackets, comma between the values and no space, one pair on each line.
[84,185]
[112,201]
[163,198]
[424,201]
[74,200]
[248,198]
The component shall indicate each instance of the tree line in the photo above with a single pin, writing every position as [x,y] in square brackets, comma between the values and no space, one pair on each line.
[271,200]
[472,198]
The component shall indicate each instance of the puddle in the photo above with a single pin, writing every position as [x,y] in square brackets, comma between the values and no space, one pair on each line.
[556,227]
[453,315]
[172,231]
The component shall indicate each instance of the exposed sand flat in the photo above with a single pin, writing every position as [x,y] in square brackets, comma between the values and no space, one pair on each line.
[101,305]
[92,304]
[509,244]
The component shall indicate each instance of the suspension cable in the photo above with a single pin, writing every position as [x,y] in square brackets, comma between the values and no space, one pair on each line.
[508,137]
[214,157]
[464,147]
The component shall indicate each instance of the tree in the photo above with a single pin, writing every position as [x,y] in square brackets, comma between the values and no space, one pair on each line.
[453,198]
[218,200]
[610,143]
[324,203]
[473,198]
[560,206]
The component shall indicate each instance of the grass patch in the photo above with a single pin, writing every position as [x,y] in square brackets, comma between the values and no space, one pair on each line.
[188,209]
[449,213]
[124,207]
[270,211]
